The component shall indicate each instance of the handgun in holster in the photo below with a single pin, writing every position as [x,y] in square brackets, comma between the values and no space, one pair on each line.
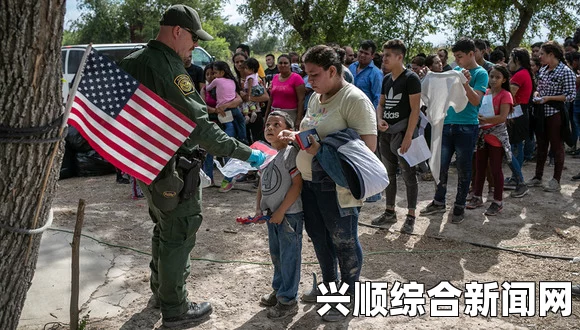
[190,168]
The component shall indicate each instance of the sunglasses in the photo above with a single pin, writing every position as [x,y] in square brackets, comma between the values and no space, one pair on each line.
[194,36]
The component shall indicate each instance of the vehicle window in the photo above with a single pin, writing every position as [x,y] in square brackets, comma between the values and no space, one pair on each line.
[116,55]
[63,60]
[74,59]
[199,57]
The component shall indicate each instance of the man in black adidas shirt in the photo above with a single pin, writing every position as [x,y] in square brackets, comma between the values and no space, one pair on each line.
[398,115]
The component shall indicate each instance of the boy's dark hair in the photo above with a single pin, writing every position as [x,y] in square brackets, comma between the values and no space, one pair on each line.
[396,45]
[537,44]
[368,44]
[570,43]
[323,56]
[487,43]
[464,45]
[429,60]
[418,60]
[421,55]
[223,66]
[480,44]
[496,56]
[270,54]
[287,120]
[252,64]
[245,48]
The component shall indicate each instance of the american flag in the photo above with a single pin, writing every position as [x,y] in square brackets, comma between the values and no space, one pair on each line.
[124,121]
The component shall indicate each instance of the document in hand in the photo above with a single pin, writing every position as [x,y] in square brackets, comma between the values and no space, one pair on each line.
[518,112]
[486,108]
[418,151]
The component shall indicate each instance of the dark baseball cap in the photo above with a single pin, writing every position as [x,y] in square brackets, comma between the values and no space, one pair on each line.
[187,18]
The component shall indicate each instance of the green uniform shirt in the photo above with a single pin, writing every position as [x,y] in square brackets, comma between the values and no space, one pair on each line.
[160,69]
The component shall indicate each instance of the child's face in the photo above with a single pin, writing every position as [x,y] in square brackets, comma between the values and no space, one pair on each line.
[218,73]
[209,75]
[248,71]
[496,79]
[274,125]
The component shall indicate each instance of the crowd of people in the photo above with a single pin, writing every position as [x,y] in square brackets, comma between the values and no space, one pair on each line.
[510,107]
[521,107]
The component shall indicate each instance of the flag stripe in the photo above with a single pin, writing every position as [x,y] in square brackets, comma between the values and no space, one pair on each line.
[158,117]
[141,120]
[149,151]
[175,116]
[122,148]
[109,153]
[144,133]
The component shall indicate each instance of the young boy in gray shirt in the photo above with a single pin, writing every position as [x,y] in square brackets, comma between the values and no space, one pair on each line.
[279,196]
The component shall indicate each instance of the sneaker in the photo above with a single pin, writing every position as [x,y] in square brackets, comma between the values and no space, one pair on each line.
[226,186]
[195,314]
[458,215]
[576,290]
[521,191]
[534,182]
[469,196]
[433,208]
[493,209]
[552,185]
[269,299]
[154,302]
[428,176]
[576,177]
[510,184]
[310,296]
[334,315]
[388,216]
[409,225]
[280,310]
[474,203]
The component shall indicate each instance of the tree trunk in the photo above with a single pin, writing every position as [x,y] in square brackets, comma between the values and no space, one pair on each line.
[518,34]
[30,96]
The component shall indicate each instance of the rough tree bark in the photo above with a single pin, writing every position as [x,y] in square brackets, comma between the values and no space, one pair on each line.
[30,96]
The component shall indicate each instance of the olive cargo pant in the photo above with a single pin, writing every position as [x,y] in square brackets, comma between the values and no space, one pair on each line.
[173,239]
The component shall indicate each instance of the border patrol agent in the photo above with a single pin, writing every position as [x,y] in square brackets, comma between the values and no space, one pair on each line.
[174,197]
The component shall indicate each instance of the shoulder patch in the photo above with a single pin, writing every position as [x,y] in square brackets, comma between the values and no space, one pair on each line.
[183,82]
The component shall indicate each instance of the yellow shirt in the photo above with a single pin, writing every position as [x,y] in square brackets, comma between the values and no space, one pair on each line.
[261,72]
[348,108]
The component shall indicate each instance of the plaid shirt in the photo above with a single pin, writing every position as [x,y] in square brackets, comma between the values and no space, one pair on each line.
[560,81]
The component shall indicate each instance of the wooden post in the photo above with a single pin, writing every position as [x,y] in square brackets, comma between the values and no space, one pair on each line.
[74,297]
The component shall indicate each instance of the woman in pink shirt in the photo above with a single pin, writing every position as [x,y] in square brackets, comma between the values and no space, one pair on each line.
[287,93]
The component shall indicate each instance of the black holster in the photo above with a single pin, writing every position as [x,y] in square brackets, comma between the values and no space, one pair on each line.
[190,165]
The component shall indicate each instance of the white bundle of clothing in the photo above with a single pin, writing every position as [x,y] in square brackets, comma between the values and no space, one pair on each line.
[439,91]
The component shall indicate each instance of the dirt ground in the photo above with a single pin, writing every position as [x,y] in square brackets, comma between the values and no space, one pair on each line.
[544,223]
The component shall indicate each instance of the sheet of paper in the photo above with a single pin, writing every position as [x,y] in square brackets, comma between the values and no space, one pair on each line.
[516,113]
[418,151]
[486,108]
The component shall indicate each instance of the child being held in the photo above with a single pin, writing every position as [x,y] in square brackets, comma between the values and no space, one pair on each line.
[279,194]
[252,87]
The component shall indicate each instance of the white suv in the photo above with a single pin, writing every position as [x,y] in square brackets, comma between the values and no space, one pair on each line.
[72,55]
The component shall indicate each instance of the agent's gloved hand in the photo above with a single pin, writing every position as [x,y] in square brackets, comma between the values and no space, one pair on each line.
[257,158]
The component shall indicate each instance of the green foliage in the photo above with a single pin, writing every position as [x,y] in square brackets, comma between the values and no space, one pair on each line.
[499,20]
[264,43]
[118,21]
[235,34]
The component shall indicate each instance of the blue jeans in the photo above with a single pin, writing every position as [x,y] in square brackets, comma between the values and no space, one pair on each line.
[516,168]
[334,232]
[239,125]
[576,118]
[285,240]
[208,166]
[458,139]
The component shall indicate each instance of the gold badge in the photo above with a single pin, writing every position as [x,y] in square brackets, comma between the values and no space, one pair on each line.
[169,194]
[183,81]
